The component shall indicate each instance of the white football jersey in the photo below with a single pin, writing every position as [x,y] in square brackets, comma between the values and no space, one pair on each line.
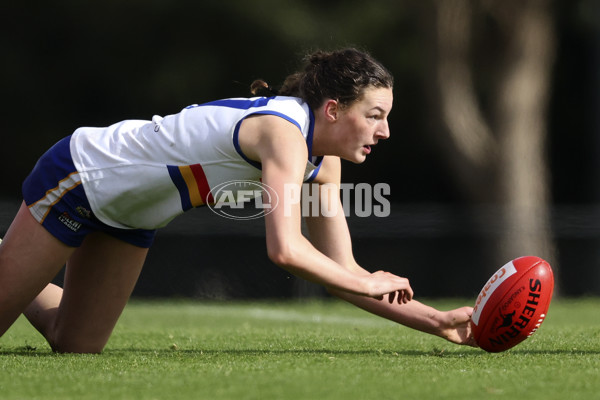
[142,174]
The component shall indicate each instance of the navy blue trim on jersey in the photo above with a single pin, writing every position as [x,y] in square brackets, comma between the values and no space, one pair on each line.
[242,104]
[311,129]
[236,133]
[309,135]
[182,187]
[318,162]
[245,104]
[238,148]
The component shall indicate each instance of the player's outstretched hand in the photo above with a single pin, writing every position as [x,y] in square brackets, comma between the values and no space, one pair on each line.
[381,283]
[456,326]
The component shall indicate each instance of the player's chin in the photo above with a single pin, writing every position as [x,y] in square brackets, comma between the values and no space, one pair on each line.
[358,158]
[354,159]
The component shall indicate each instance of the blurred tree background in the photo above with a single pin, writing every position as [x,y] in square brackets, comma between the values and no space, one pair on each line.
[495,146]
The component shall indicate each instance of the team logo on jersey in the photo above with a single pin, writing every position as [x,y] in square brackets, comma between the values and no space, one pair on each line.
[243,200]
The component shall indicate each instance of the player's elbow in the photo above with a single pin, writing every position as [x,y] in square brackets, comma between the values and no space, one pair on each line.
[281,254]
[286,252]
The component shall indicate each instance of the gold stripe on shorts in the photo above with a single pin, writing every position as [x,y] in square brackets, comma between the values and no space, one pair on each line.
[42,207]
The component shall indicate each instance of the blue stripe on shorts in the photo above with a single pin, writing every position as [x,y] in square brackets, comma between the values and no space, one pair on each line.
[56,198]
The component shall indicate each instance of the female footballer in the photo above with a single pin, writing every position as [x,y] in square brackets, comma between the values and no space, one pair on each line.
[94,200]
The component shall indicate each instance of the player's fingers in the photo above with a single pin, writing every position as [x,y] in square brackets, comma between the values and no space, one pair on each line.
[392,295]
[399,288]
[404,297]
[407,294]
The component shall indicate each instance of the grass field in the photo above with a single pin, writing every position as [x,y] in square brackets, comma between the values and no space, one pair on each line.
[302,350]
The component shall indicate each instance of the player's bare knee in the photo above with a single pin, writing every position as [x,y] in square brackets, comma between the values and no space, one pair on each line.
[69,345]
[77,348]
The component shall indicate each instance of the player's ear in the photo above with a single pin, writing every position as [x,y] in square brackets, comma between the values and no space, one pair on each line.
[331,109]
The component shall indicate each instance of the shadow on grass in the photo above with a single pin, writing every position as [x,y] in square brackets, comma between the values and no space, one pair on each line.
[26,351]
[462,353]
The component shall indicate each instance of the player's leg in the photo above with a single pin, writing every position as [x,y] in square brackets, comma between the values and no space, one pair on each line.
[99,279]
[30,257]
[41,312]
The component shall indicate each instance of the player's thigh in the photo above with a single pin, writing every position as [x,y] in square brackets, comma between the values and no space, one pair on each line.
[30,257]
[99,279]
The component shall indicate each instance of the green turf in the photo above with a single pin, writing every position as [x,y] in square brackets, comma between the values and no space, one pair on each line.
[314,350]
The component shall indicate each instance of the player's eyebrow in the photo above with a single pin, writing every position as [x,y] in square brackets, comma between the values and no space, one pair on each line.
[377,108]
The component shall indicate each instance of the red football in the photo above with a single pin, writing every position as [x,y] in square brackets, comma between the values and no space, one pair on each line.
[513,304]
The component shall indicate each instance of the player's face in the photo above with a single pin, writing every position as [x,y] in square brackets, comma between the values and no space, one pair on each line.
[364,123]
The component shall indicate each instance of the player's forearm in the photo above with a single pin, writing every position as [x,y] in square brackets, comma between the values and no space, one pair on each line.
[413,314]
[300,258]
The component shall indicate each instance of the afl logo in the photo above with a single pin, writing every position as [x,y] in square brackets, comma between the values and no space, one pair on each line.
[243,200]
